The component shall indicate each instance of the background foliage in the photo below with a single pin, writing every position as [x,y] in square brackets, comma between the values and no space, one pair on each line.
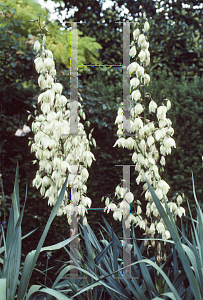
[176,73]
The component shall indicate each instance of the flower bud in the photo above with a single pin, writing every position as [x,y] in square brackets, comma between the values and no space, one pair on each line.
[37,46]
[146,26]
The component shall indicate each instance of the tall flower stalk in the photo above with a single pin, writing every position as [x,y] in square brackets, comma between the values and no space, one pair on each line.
[58,152]
[150,141]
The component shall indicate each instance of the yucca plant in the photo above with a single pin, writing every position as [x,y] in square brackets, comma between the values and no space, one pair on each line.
[13,283]
[101,263]
[190,254]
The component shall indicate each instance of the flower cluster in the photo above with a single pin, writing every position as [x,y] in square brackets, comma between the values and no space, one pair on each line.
[59,152]
[144,138]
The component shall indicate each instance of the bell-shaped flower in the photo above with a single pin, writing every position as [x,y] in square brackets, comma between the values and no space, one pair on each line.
[117,215]
[162,161]
[152,106]
[133,67]
[142,55]
[136,95]
[48,54]
[141,39]
[164,186]
[136,34]
[134,82]
[57,88]
[140,71]
[49,63]
[132,51]
[160,227]
[138,108]
[150,140]
[161,112]
[37,46]
[129,197]
[42,82]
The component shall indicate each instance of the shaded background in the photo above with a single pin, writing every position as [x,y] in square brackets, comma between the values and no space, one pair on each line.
[176,67]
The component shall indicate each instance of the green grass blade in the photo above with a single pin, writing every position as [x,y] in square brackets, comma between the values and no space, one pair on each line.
[56,294]
[3,289]
[170,224]
[25,236]
[145,271]
[31,258]
[89,248]
[14,212]
[11,266]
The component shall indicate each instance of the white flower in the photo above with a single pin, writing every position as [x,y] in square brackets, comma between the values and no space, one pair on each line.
[119,119]
[180,211]
[134,82]
[161,112]
[120,142]
[133,51]
[141,39]
[129,197]
[140,71]
[84,221]
[57,88]
[45,108]
[169,142]
[84,174]
[136,95]
[140,159]
[167,234]
[142,55]
[132,67]
[112,207]
[141,223]
[139,210]
[146,78]
[48,54]
[179,200]
[142,145]
[39,65]
[150,140]
[168,105]
[162,161]
[152,106]
[86,201]
[145,46]
[134,157]
[146,26]
[129,143]
[42,82]
[138,108]
[136,33]
[152,229]
[117,215]
[164,186]
[49,63]
[160,227]
[37,46]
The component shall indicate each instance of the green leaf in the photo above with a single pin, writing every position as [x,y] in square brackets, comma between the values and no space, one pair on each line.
[171,226]
[3,289]
[31,258]
[13,64]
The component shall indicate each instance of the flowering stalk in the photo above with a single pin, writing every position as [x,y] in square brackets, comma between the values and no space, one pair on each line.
[144,139]
[58,152]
